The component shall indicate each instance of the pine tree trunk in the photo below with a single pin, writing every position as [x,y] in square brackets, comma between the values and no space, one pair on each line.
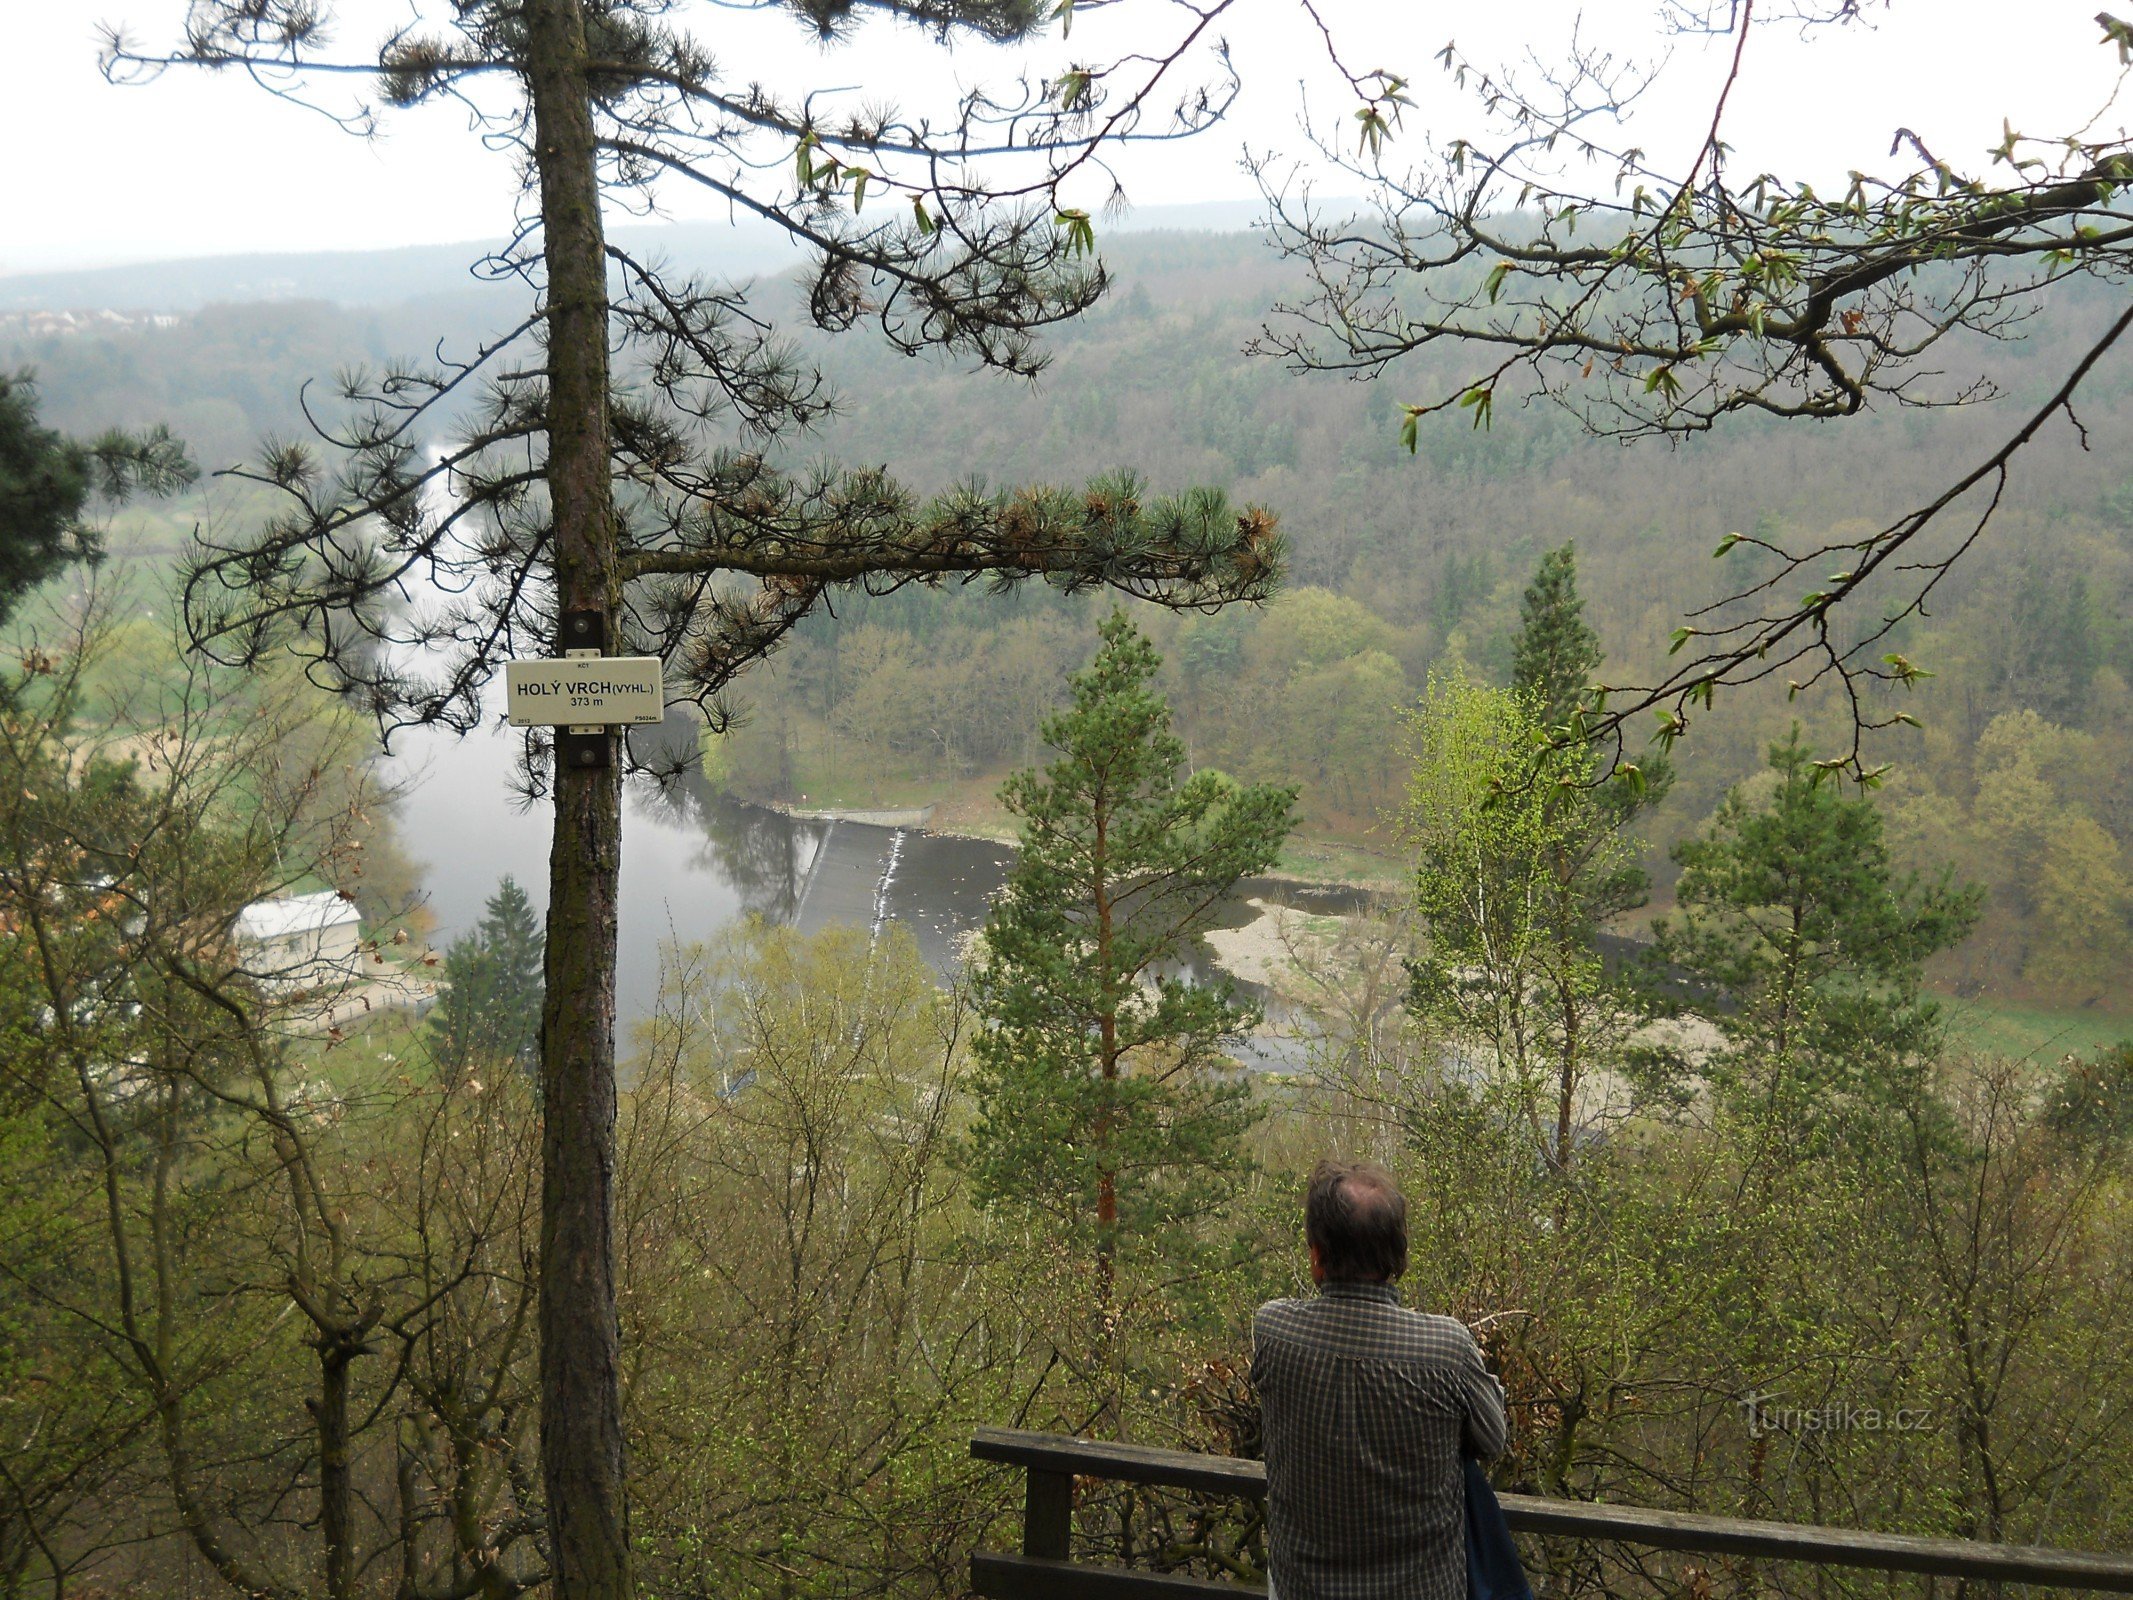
[581,1403]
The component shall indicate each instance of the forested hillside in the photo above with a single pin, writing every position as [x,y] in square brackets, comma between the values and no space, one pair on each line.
[2018,777]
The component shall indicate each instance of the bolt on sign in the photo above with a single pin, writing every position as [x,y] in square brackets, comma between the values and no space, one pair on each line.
[591,691]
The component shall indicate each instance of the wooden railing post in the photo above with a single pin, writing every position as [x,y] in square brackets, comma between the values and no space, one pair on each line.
[1048,1514]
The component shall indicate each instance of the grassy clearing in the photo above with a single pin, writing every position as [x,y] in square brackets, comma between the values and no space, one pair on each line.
[1325,861]
[2032,1031]
[817,779]
[817,790]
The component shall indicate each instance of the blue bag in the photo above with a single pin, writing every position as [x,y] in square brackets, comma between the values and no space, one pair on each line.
[1492,1569]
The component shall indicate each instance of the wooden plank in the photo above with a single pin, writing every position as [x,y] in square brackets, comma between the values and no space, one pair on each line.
[1131,1463]
[1802,1541]
[1028,1578]
[1048,1515]
[1580,1519]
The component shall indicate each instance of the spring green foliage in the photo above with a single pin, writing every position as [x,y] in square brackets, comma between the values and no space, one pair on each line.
[795,1152]
[491,1006]
[1511,875]
[1794,920]
[819,1314]
[1521,863]
[1105,1100]
[2032,821]
[2094,1096]
[1555,658]
[915,697]
[146,1085]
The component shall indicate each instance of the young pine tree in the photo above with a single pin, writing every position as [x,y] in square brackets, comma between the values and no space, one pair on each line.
[1514,878]
[1554,660]
[491,1007]
[1556,654]
[1105,1099]
[1794,920]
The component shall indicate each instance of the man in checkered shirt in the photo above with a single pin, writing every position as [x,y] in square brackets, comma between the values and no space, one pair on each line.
[1368,1408]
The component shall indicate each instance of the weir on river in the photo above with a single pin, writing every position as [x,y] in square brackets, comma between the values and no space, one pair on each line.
[696,862]
[852,878]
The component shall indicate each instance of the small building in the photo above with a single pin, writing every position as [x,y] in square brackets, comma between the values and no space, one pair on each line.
[301,941]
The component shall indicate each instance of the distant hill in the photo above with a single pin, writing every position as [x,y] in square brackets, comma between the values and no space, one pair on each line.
[389,277]
[345,277]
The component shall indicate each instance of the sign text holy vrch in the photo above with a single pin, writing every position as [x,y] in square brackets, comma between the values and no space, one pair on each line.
[585,691]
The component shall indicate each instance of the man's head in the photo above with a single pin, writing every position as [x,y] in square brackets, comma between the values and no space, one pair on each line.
[1356,1221]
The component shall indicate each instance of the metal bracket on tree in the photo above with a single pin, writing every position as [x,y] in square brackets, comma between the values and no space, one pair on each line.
[584,748]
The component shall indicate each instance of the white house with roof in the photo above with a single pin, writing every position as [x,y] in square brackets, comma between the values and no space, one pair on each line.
[301,941]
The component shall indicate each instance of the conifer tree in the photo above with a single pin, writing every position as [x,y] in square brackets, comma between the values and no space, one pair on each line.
[1105,1099]
[1515,877]
[48,480]
[1556,653]
[491,1006]
[1523,862]
[618,464]
[1808,943]
[1555,659]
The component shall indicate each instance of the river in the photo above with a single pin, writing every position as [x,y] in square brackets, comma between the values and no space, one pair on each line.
[695,862]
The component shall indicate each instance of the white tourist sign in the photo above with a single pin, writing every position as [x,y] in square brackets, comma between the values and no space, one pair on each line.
[585,691]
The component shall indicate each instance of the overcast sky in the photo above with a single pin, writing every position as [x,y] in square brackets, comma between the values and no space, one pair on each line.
[200,165]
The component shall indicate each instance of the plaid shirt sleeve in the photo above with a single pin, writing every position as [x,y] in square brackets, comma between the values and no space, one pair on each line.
[1488,1430]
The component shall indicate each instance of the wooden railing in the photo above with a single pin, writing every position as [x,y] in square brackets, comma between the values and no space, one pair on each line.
[1045,1569]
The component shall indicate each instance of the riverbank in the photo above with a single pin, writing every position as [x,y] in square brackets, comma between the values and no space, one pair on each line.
[969,808]
[1306,862]
[881,817]
[1289,952]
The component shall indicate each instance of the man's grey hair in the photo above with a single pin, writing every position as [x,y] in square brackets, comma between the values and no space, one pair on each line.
[1357,1217]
